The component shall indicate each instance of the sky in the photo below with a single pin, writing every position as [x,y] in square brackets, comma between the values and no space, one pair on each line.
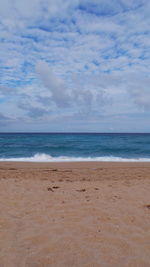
[74,66]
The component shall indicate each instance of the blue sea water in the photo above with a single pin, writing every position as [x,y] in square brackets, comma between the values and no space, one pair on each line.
[74,147]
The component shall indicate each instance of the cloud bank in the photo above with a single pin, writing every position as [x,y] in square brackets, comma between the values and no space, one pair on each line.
[74,65]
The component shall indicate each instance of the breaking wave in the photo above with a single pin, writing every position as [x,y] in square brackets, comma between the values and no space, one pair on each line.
[48,158]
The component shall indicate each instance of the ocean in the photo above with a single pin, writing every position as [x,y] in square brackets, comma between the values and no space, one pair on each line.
[61,147]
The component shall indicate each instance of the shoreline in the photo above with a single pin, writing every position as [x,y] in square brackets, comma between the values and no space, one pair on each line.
[78,160]
[73,164]
[75,171]
[77,163]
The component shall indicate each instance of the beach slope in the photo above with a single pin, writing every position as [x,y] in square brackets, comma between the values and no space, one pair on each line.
[74,214]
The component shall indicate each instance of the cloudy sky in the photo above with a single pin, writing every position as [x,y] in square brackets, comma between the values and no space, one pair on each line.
[75,65]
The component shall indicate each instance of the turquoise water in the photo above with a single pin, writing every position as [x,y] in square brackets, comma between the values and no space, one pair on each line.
[74,147]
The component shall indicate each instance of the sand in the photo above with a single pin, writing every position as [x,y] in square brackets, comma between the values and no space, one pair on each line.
[74,214]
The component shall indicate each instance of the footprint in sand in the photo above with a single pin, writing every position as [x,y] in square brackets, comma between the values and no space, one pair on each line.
[81,190]
[50,189]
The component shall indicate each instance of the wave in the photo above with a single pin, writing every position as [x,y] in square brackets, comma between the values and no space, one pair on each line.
[48,158]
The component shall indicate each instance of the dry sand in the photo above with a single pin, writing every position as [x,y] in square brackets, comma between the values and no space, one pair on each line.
[74,214]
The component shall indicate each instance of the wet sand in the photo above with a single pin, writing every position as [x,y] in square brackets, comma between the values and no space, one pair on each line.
[74,214]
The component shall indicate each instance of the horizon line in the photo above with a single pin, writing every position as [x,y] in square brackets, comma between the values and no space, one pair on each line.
[18,132]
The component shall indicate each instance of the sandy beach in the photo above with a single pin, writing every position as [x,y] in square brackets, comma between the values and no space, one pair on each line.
[74,214]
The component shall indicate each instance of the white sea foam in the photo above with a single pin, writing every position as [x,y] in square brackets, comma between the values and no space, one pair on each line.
[48,158]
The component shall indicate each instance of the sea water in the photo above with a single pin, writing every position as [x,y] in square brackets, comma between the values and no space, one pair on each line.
[56,147]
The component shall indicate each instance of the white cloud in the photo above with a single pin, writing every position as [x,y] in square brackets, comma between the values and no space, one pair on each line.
[60,94]
[80,95]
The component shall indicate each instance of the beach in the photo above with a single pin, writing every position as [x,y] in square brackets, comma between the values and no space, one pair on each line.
[74,214]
